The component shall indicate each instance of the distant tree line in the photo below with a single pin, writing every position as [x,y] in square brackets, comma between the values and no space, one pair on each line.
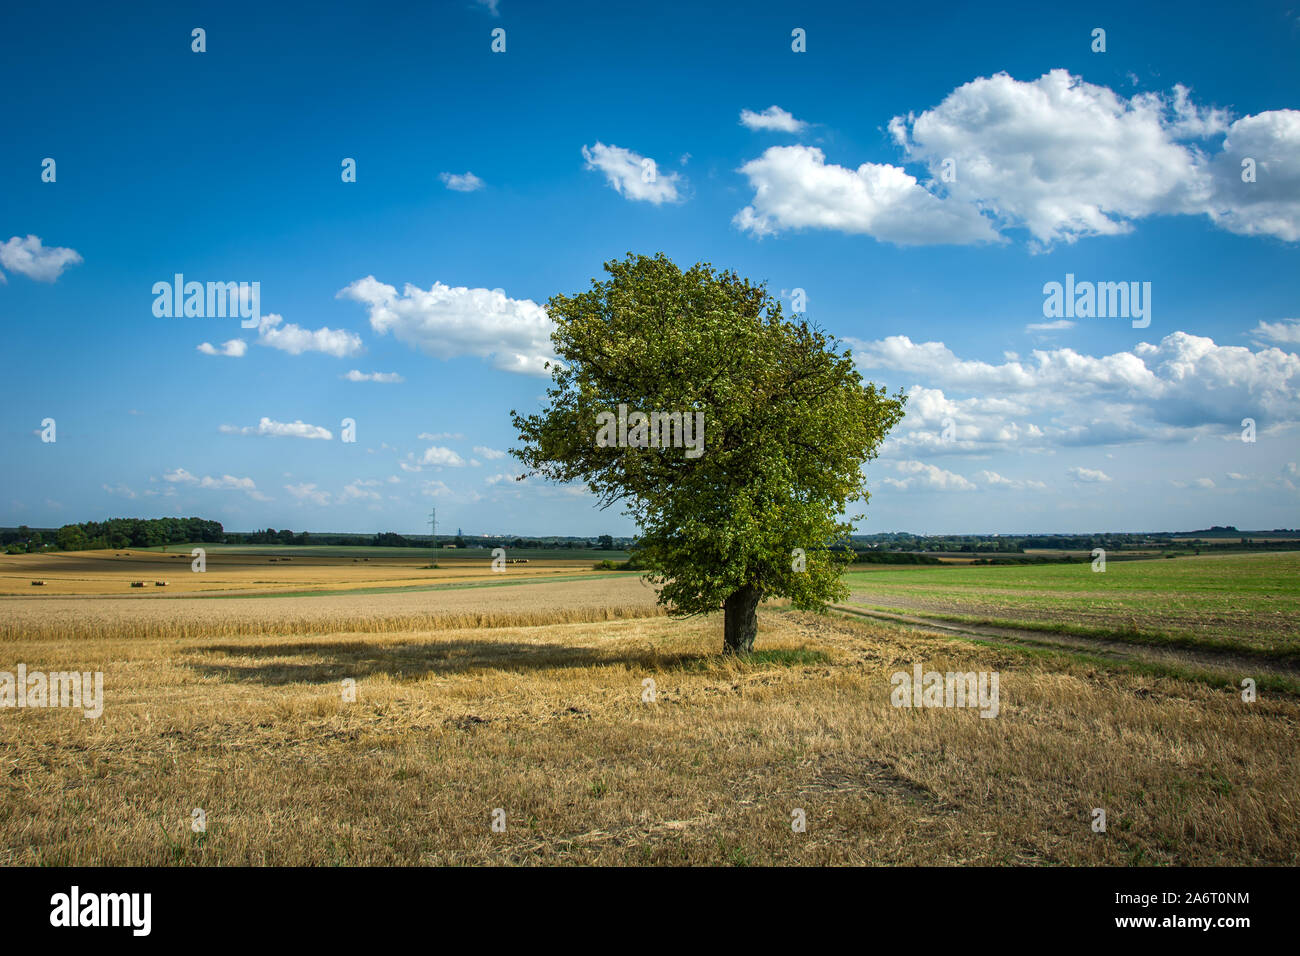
[270,536]
[894,557]
[1005,546]
[119,533]
[391,539]
[887,548]
[113,533]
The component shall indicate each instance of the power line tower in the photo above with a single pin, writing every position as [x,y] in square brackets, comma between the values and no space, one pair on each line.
[433,535]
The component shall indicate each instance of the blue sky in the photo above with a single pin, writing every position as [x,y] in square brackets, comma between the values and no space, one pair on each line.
[225,165]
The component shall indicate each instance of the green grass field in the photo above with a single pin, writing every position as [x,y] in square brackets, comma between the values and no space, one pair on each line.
[1247,602]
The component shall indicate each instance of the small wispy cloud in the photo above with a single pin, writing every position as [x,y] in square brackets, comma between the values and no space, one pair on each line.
[234,348]
[994,480]
[360,490]
[465,182]
[1286,332]
[1088,475]
[388,378]
[180,476]
[270,428]
[773,118]
[308,492]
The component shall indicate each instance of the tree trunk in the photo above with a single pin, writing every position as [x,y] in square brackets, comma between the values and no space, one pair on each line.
[740,620]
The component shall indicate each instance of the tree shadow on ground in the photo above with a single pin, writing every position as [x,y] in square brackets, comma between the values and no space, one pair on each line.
[332,661]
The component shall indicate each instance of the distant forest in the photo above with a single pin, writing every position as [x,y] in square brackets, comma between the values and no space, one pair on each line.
[120,533]
[889,548]
[113,533]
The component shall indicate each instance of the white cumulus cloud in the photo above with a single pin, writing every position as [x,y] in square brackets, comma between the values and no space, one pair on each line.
[925,477]
[294,339]
[1177,390]
[795,188]
[30,258]
[447,322]
[633,175]
[440,457]
[1270,205]
[772,118]
[1065,159]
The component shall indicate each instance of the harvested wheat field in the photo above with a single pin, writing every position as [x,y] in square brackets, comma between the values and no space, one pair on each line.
[219,705]
[499,601]
[259,571]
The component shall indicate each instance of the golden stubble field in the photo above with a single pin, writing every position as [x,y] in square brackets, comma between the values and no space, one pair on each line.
[110,573]
[236,706]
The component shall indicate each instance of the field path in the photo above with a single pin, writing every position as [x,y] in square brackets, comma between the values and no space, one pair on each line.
[1227,662]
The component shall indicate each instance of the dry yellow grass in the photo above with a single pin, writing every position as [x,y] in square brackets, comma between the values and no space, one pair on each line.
[548,724]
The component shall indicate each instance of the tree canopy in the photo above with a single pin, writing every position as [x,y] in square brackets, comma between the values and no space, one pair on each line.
[788,423]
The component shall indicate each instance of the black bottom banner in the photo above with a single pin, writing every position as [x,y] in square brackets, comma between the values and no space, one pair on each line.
[1218,906]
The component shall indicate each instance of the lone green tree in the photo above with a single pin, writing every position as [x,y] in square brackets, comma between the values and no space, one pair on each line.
[753,506]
